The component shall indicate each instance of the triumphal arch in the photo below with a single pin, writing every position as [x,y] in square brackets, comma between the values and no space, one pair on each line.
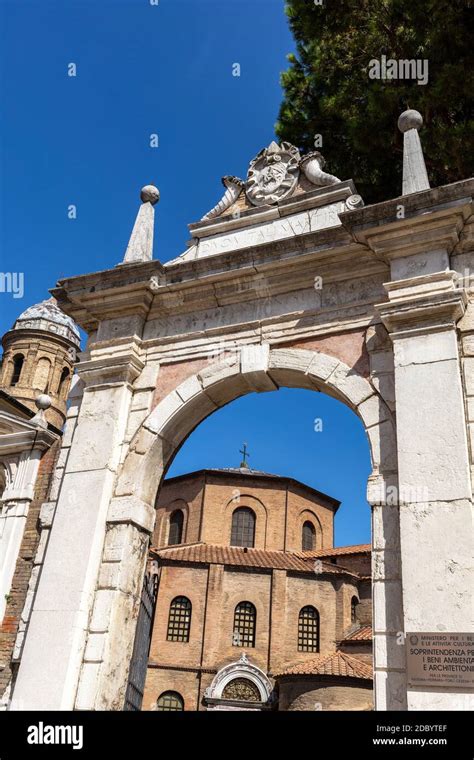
[289,281]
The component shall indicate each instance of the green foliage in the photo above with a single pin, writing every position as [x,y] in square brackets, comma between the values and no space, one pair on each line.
[327,89]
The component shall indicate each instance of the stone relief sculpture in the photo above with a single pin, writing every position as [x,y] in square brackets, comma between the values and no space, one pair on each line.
[312,167]
[233,187]
[272,174]
[353,202]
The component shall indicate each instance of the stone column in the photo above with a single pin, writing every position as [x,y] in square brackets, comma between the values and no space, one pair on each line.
[112,625]
[435,498]
[54,645]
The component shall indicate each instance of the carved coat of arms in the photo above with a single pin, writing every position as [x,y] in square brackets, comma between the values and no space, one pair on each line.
[272,174]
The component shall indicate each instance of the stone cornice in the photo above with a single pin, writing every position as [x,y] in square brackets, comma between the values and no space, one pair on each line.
[235,277]
[91,299]
[252,284]
[432,219]
[128,509]
[24,435]
[106,370]
[290,328]
[428,312]
[15,443]
[362,247]
[292,205]
[416,203]
[197,344]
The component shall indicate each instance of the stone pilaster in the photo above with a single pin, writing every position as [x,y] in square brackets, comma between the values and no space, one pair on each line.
[435,496]
[53,650]
[212,633]
[278,621]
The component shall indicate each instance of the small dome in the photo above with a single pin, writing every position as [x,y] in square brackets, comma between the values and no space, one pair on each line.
[47,316]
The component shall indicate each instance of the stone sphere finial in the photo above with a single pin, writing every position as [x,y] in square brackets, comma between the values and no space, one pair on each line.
[410,119]
[150,194]
[43,401]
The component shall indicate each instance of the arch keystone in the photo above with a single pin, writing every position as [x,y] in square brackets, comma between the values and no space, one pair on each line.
[254,361]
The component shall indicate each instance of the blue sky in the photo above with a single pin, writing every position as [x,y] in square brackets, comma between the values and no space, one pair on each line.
[282,438]
[85,140]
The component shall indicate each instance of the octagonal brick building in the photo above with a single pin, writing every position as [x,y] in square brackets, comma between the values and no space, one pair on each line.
[256,609]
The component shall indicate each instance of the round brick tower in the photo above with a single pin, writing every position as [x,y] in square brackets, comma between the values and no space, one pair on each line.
[38,357]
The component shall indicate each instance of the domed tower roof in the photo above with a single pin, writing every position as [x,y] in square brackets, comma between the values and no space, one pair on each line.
[39,354]
[48,316]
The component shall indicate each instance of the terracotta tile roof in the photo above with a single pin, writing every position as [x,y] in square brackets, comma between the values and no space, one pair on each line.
[335,664]
[337,551]
[364,633]
[238,556]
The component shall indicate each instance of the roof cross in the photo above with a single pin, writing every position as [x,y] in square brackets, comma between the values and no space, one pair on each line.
[245,454]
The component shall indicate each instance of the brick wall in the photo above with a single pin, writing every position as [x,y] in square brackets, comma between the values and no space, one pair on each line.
[171,375]
[302,591]
[305,506]
[349,347]
[325,694]
[358,563]
[209,500]
[185,494]
[360,649]
[214,592]
[186,683]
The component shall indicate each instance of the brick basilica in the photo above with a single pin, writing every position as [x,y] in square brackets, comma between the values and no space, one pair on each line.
[255,608]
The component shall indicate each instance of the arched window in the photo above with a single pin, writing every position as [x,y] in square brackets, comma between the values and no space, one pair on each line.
[308,536]
[308,629]
[245,619]
[40,380]
[176,527]
[354,603]
[63,382]
[17,367]
[170,701]
[179,621]
[243,527]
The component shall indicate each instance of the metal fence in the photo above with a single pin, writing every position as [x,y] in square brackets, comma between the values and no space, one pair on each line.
[141,645]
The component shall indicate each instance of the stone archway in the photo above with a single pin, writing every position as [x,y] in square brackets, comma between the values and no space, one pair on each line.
[392,286]
[252,685]
[254,368]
